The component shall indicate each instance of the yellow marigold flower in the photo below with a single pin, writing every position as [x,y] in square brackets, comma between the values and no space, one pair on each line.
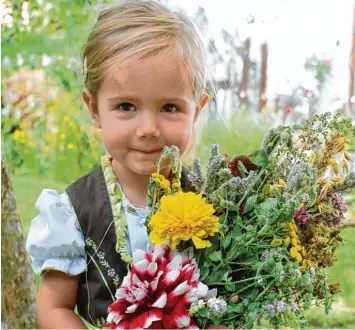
[299,248]
[276,242]
[292,234]
[161,177]
[176,185]
[157,180]
[294,241]
[165,184]
[293,252]
[298,258]
[70,146]
[155,175]
[183,217]
[287,241]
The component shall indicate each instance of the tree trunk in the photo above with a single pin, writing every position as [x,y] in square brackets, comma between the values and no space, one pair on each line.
[18,306]
[352,69]
[263,71]
[245,77]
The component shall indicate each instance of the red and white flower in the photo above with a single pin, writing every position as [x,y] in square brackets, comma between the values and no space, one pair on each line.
[158,292]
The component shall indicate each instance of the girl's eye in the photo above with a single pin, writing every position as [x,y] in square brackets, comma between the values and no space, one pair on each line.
[126,107]
[169,108]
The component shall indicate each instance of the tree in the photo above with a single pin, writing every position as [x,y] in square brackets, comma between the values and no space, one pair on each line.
[18,309]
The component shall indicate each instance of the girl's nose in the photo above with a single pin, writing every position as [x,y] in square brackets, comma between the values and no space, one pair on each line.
[148,125]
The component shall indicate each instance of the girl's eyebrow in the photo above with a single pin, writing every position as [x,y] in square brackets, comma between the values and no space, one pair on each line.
[164,99]
[122,97]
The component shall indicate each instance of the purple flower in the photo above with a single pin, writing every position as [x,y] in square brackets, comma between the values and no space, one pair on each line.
[338,202]
[270,310]
[281,306]
[301,216]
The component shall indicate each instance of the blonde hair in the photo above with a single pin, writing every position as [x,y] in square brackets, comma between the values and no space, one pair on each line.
[134,30]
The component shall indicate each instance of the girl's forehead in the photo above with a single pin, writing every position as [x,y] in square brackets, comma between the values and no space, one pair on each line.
[156,73]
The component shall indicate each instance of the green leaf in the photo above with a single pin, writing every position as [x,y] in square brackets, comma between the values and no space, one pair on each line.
[230,287]
[215,256]
[239,308]
[268,205]
[226,241]
[253,294]
[250,203]
[252,306]
[312,196]
[236,231]
[227,274]
[297,127]
[260,158]
[203,312]
[216,320]
[204,272]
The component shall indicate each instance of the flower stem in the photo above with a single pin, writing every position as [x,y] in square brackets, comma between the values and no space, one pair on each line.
[241,281]
[247,287]
[267,288]
[240,269]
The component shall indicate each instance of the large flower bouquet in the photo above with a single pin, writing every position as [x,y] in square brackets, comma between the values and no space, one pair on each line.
[254,241]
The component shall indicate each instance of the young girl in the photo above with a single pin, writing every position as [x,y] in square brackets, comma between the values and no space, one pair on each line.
[145,79]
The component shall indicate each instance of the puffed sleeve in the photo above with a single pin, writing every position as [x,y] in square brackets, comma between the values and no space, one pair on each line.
[55,241]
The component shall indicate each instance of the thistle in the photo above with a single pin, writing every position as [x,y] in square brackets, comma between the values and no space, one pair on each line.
[215,162]
[195,175]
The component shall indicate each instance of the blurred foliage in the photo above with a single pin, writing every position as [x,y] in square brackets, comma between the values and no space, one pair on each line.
[45,131]
[241,133]
[320,67]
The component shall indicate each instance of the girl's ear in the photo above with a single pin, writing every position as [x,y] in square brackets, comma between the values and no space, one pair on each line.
[201,105]
[90,106]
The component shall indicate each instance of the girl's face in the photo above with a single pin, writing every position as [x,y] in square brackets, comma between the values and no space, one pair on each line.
[143,107]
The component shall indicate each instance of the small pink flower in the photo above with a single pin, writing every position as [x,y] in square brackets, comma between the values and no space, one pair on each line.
[301,215]
[158,292]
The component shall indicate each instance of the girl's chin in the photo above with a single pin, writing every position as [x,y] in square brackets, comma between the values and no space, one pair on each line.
[147,168]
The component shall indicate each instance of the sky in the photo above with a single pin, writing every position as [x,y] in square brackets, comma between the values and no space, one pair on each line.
[294,29]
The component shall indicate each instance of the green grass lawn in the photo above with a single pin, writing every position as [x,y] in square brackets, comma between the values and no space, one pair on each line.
[27,190]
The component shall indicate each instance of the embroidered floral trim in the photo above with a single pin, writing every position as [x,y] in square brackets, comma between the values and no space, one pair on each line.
[101,256]
[115,195]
